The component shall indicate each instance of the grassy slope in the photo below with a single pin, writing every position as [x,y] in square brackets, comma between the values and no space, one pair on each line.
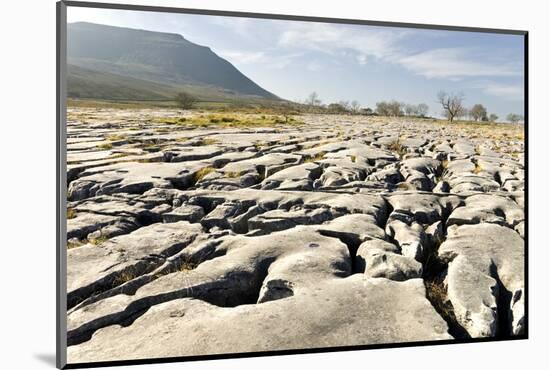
[85,83]
[88,84]
[162,58]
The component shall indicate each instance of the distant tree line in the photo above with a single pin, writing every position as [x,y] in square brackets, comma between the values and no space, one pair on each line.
[452,104]
[454,108]
[397,109]
[383,108]
[514,118]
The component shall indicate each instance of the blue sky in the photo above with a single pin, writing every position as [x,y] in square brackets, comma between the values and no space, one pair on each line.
[350,62]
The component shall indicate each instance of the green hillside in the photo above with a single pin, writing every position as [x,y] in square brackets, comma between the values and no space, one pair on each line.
[86,83]
[116,63]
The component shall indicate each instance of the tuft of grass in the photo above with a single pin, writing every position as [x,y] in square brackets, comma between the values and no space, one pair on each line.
[71,213]
[232,174]
[259,145]
[98,241]
[442,172]
[200,174]
[74,244]
[173,121]
[207,141]
[354,158]
[405,186]
[118,155]
[105,146]
[116,137]
[437,294]
[317,157]
[187,265]
[477,168]
[148,160]
[124,277]
[397,147]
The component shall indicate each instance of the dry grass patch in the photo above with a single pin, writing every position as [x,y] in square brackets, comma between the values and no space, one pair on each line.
[74,244]
[116,137]
[231,119]
[124,277]
[105,146]
[232,174]
[187,265]
[397,147]
[317,157]
[436,293]
[477,168]
[71,213]
[118,155]
[205,142]
[200,174]
[98,241]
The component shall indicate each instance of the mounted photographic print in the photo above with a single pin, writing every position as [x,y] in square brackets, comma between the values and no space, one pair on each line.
[235,184]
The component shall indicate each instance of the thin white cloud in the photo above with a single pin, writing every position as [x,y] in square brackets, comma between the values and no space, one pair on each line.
[362,59]
[331,39]
[270,60]
[240,26]
[512,92]
[454,64]
[244,57]
[390,46]
[314,66]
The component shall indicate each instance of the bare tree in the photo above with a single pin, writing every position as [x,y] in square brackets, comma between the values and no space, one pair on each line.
[422,110]
[392,108]
[345,104]
[396,108]
[185,101]
[382,108]
[355,106]
[478,112]
[337,108]
[313,99]
[452,104]
[419,110]
[287,110]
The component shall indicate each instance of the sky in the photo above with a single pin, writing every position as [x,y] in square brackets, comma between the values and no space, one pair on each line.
[349,62]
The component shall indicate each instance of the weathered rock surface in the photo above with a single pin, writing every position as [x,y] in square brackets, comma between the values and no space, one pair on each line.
[191,240]
[382,259]
[92,268]
[486,270]
[392,311]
